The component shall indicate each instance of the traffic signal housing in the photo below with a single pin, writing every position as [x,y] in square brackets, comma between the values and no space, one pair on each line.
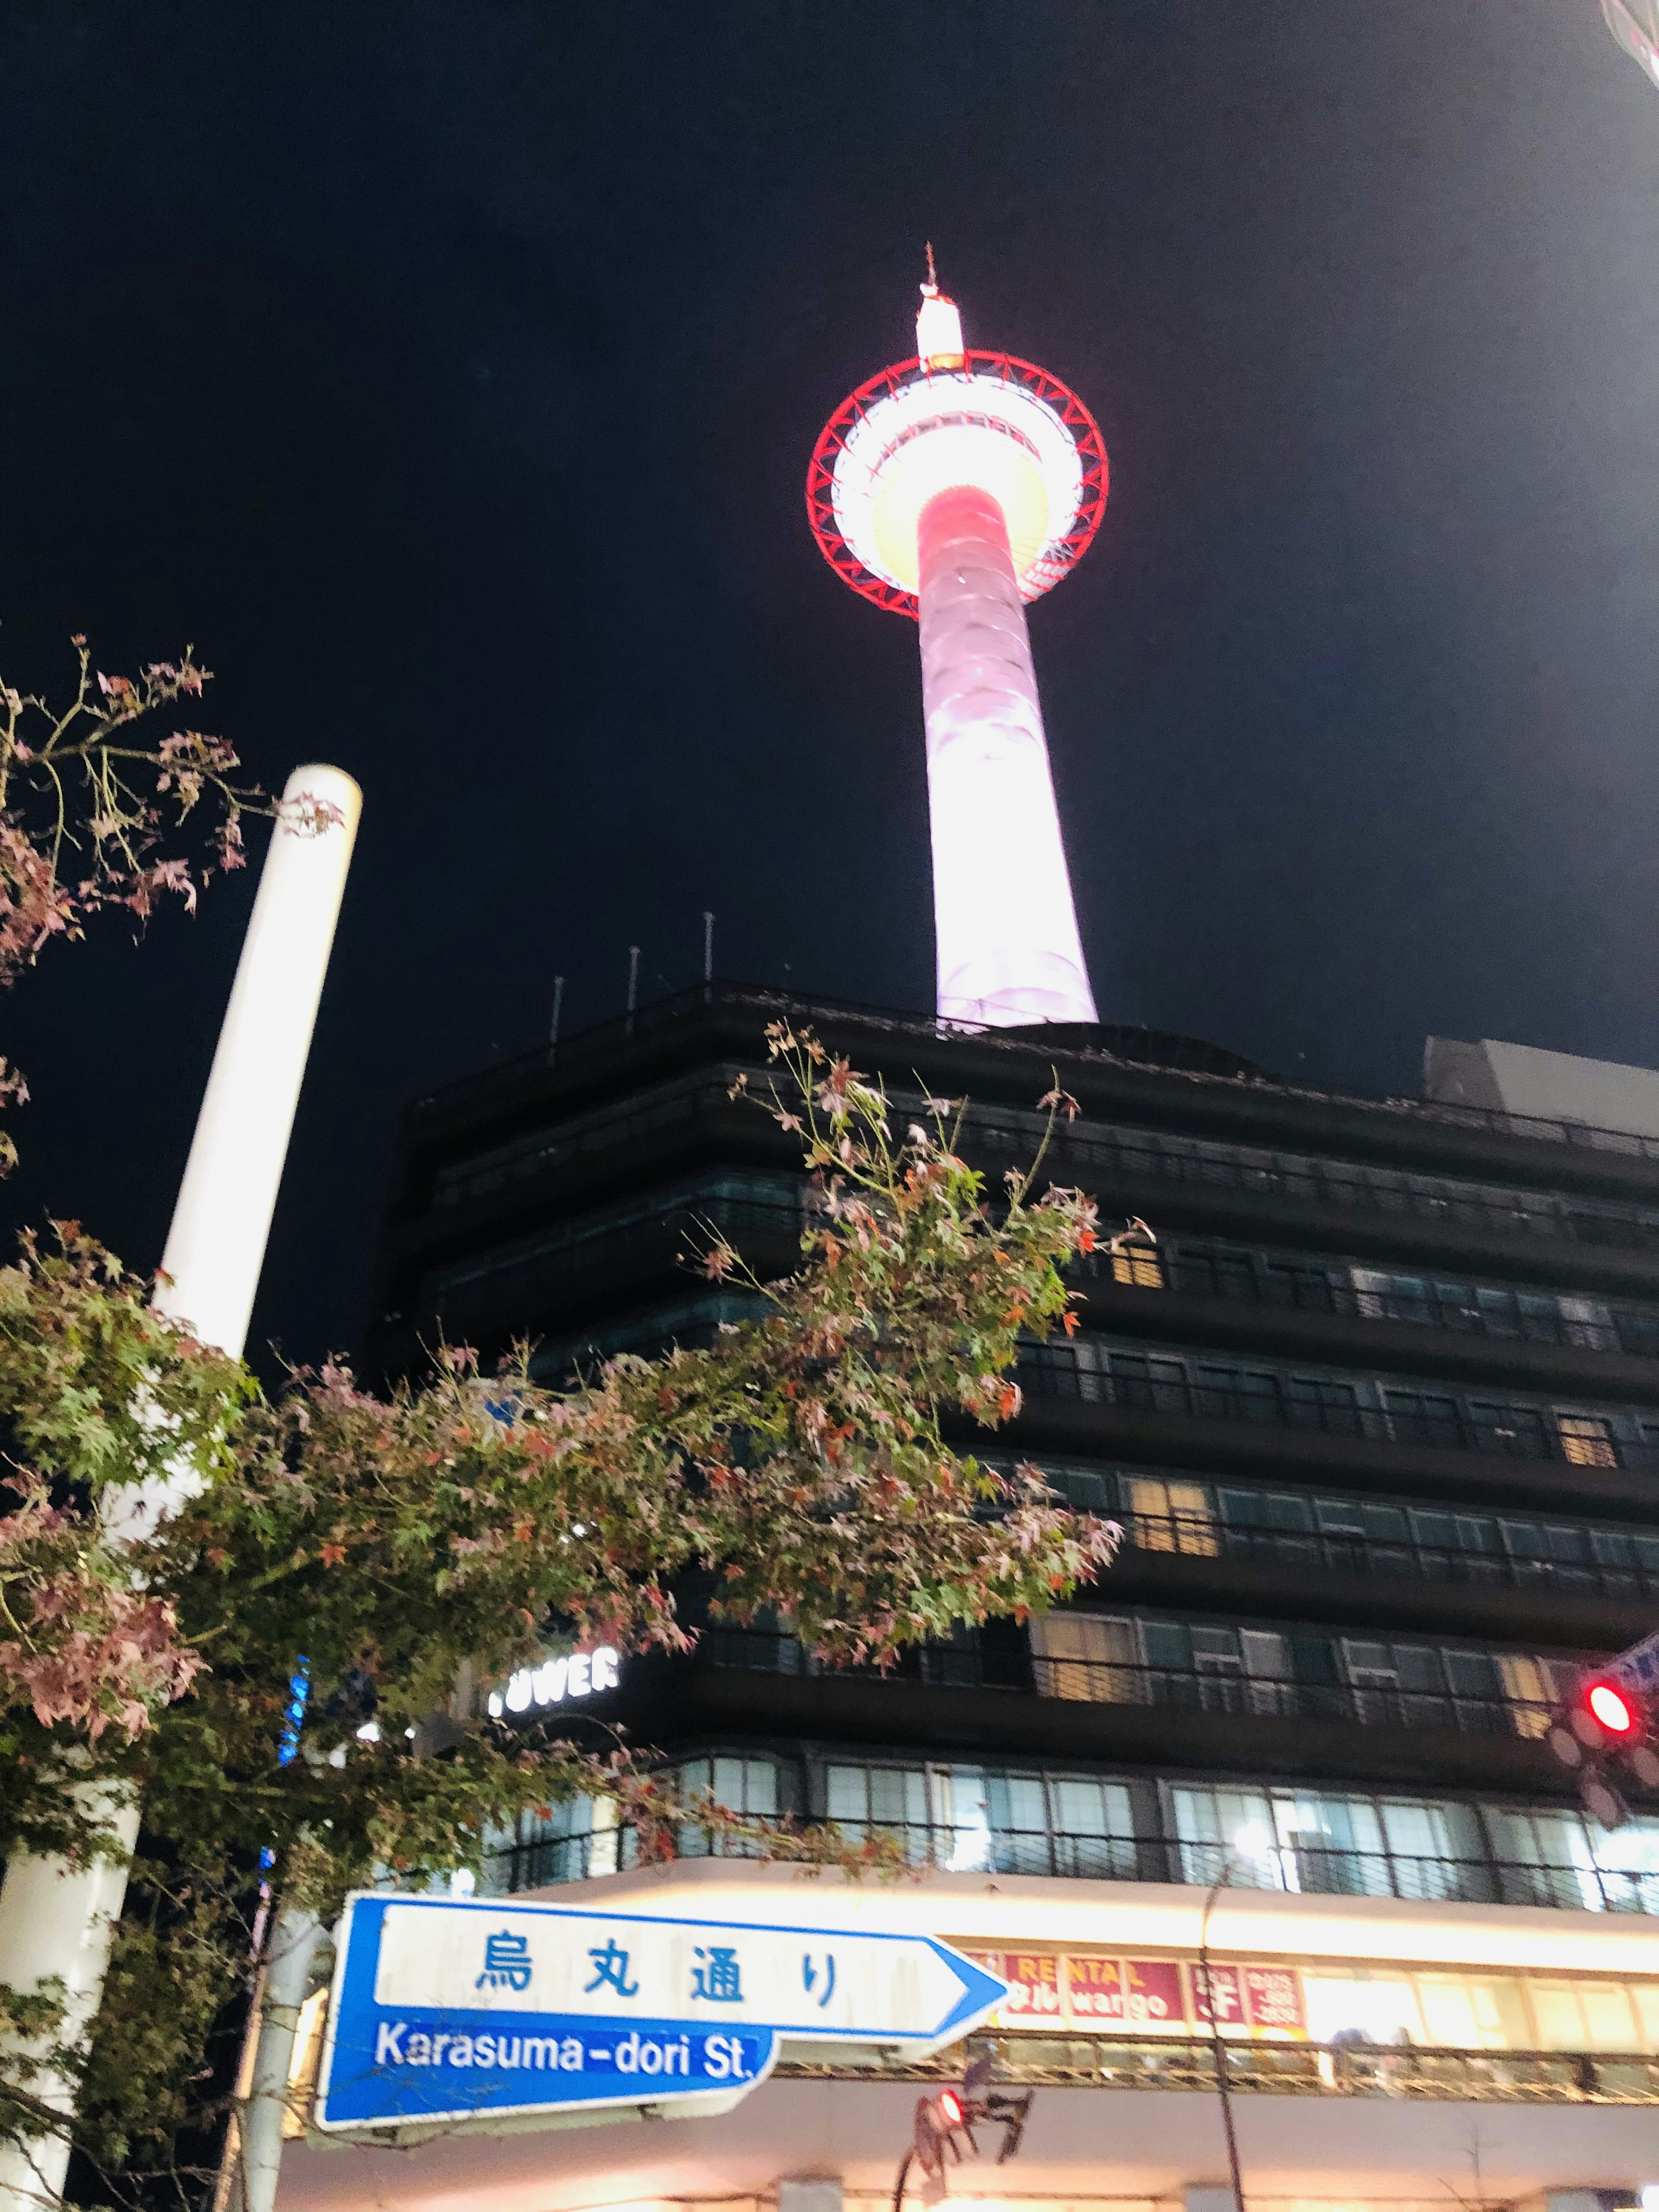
[945,2122]
[1604,1733]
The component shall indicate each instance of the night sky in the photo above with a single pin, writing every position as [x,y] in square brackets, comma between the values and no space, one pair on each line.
[446,374]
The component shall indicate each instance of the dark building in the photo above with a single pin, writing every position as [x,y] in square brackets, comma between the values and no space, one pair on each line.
[1378,1411]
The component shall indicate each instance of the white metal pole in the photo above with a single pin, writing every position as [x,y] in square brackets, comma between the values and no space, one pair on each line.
[288,1972]
[216,1245]
[53,1919]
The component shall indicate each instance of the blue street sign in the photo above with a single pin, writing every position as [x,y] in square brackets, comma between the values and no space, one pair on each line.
[449,2010]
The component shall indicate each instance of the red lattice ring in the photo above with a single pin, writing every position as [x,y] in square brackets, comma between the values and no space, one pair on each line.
[1057,561]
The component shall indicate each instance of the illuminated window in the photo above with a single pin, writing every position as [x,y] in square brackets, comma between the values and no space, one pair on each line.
[1586,1440]
[1171,1517]
[1529,1687]
[1084,1656]
[1139,1265]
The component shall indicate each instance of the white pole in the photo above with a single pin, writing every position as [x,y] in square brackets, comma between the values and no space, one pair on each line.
[55,1920]
[216,1245]
[288,1973]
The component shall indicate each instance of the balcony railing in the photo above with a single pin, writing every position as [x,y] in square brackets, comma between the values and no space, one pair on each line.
[1196,1537]
[1055,1371]
[602,1039]
[1294,2069]
[1265,1697]
[1493,1214]
[1298,1291]
[1214,1689]
[1301,1868]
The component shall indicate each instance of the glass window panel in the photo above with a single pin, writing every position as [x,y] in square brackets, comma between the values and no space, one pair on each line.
[1586,1440]
[1237,1394]
[959,1807]
[1285,1511]
[1381,2008]
[1139,1265]
[847,1793]
[1167,1643]
[1092,1808]
[1469,2014]
[1340,1516]
[1212,1647]
[1171,1517]
[1609,2021]
[1476,1534]
[1422,1417]
[1626,1864]
[1472,1675]
[1207,1819]
[1243,1509]
[1611,1547]
[1085,1656]
[1384,1524]
[1559,2016]
[1418,1666]
[1516,1430]
[1017,1801]
[1531,1687]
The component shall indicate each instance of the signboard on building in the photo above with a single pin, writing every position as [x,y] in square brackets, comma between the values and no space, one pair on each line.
[1104,1990]
[453,2010]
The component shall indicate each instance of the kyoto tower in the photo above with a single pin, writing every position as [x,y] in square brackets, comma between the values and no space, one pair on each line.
[955,487]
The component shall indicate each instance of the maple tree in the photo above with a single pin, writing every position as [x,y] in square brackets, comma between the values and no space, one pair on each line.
[451,1531]
[101,806]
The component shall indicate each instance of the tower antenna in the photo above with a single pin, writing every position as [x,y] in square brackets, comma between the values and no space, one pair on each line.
[933,279]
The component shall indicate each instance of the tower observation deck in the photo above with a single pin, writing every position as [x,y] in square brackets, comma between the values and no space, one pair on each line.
[955,487]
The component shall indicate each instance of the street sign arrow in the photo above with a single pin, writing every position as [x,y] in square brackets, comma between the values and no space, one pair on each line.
[461,2009]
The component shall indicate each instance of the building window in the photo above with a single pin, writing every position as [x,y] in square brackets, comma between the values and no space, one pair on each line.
[1586,1440]
[749,1786]
[1396,1685]
[1328,1844]
[1085,1657]
[969,1817]
[1170,1516]
[1530,1689]
[1560,1858]
[1209,1273]
[892,1800]
[1238,1393]
[1138,1265]
[1423,1418]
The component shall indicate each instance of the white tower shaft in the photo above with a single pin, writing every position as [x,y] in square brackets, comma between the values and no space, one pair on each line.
[55,1919]
[1006,931]
[216,1244]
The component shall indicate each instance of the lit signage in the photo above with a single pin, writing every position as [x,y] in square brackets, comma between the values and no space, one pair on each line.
[573,1674]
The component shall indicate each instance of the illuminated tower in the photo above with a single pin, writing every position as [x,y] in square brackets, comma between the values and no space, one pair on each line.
[1635,24]
[955,487]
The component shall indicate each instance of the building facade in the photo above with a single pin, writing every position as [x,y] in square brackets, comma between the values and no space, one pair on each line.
[1376,1404]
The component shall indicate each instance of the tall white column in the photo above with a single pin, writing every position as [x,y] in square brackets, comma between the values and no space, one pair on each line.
[57,1920]
[216,1245]
[1007,937]
[53,1920]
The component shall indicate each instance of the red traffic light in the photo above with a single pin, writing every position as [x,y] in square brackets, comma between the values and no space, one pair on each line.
[1612,1708]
